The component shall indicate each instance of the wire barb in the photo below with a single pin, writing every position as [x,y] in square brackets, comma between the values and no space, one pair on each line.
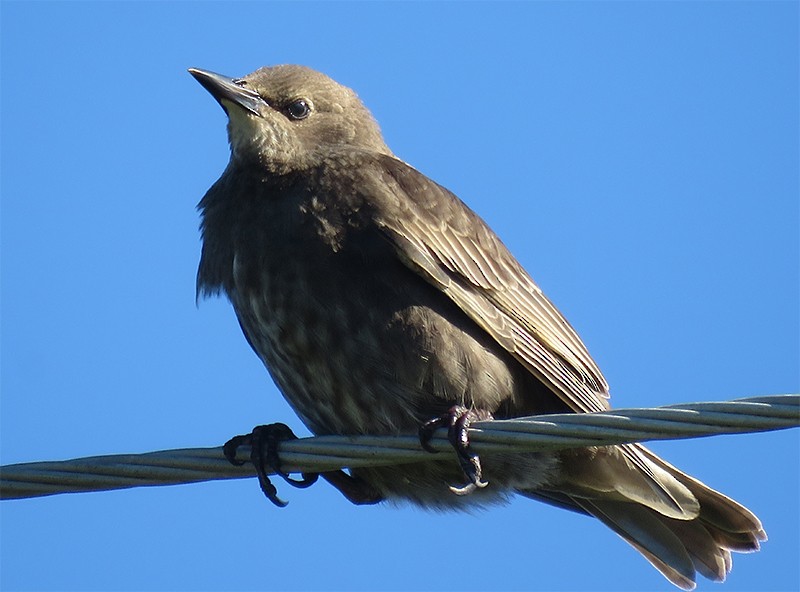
[327,453]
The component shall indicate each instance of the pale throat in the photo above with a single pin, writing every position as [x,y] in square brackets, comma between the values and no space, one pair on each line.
[251,136]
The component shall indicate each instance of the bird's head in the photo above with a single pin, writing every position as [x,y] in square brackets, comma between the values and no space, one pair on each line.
[289,117]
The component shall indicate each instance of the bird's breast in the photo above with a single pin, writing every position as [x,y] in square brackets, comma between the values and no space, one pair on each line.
[356,341]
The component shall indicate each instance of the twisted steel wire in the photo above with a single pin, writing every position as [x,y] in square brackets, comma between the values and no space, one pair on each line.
[326,453]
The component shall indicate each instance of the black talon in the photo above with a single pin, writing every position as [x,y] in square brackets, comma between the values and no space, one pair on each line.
[264,441]
[428,429]
[457,419]
[230,447]
[273,434]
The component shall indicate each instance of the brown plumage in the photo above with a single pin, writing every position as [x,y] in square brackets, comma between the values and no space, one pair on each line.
[378,300]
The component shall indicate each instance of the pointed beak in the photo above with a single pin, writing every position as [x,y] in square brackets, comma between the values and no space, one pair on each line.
[229,91]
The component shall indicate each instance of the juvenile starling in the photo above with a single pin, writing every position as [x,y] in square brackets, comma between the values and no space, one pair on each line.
[381,304]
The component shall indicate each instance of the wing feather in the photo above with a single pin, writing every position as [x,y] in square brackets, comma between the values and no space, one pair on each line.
[441,239]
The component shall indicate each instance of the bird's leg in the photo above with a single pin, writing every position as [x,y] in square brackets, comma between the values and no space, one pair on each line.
[356,490]
[263,441]
[457,420]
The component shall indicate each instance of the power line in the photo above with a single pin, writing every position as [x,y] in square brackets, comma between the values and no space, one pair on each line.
[326,453]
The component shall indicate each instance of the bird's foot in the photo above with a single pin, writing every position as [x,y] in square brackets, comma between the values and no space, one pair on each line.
[263,442]
[457,420]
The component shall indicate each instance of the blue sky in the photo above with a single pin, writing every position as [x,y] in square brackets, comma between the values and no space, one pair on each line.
[640,159]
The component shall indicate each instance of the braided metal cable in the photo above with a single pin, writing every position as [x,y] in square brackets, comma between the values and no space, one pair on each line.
[325,453]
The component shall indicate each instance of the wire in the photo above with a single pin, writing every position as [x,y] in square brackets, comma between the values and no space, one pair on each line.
[326,453]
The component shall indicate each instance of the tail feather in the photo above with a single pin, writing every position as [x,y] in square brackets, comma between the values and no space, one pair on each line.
[698,537]
[623,473]
[732,522]
[711,560]
[647,533]
[741,542]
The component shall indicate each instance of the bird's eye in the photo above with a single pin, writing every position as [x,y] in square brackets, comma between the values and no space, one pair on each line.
[299,109]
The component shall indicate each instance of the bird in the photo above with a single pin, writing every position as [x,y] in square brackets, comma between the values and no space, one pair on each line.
[381,304]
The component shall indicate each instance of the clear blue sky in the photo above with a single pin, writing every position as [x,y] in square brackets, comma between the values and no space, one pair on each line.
[640,159]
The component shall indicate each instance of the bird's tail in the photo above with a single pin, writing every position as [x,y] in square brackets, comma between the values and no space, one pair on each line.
[680,525]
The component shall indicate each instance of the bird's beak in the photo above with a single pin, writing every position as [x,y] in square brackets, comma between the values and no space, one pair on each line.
[226,89]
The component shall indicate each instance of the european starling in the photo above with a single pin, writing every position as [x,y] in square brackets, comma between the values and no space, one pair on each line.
[381,304]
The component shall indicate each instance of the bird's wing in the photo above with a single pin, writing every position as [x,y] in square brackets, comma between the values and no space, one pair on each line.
[441,239]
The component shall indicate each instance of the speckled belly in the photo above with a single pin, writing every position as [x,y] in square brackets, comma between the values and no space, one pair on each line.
[370,359]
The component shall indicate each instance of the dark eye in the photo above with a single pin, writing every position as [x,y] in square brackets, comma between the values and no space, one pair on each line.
[299,109]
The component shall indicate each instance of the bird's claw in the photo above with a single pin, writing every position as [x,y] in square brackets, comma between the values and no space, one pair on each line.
[457,420]
[263,442]
[232,445]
